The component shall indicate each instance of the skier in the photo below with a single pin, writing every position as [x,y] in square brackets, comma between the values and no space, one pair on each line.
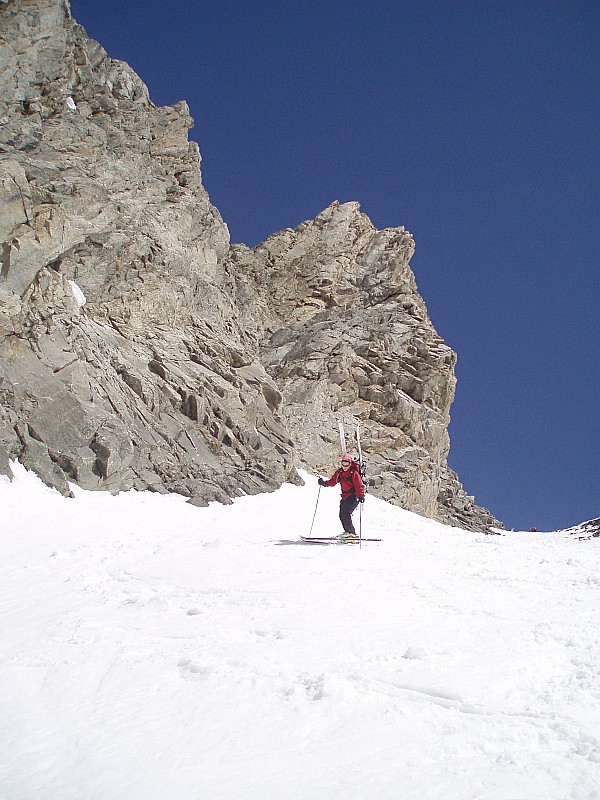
[353,491]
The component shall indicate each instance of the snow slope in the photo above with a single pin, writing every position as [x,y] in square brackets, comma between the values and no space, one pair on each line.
[151,650]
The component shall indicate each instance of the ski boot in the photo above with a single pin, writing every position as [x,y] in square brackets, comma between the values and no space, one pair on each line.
[348,537]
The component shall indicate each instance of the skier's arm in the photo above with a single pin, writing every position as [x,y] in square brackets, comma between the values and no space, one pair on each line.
[359,488]
[332,481]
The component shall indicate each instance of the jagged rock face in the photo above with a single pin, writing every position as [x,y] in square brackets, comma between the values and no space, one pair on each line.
[194,365]
[346,336]
[148,384]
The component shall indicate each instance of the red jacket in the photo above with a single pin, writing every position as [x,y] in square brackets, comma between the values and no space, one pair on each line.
[349,481]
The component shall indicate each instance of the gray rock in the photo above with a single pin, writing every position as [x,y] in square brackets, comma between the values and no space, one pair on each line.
[5,463]
[194,366]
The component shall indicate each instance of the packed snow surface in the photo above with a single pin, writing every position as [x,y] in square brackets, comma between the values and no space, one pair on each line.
[152,650]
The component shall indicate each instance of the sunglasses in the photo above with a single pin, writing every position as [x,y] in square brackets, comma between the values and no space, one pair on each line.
[346,462]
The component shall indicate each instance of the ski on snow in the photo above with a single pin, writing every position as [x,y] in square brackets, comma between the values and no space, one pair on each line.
[337,539]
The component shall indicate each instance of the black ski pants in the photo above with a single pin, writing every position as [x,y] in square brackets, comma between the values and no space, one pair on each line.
[347,507]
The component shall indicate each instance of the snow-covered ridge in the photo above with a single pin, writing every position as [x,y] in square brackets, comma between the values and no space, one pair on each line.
[150,649]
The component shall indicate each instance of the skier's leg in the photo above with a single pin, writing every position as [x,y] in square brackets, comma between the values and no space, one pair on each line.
[344,515]
[346,508]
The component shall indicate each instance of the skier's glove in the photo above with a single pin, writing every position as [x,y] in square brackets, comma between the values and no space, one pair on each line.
[361,499]
[322,482]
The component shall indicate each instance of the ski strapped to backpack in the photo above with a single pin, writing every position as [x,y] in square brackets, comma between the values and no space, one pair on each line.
[362,464]
[343,447]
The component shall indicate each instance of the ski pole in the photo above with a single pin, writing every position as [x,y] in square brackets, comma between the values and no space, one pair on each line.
[315,514]
[360,526]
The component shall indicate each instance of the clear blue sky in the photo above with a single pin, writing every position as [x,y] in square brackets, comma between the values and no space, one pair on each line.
[474,125]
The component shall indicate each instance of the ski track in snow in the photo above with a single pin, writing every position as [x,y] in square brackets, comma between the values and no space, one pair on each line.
[152,650]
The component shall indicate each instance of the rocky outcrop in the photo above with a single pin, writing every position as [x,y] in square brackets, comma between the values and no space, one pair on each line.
[346,335]
[148,384]
[586,530]
[138,348]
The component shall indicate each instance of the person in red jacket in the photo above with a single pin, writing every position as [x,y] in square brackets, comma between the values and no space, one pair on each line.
[353,490]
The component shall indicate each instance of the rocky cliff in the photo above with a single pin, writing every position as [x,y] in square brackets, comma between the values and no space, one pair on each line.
[193,365]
